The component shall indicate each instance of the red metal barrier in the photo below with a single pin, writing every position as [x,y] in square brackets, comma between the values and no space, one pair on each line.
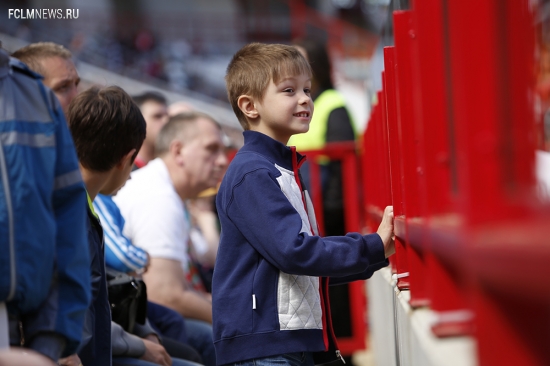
[457,105]
[346,152]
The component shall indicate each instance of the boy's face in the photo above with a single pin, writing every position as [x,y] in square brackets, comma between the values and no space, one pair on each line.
[286,108]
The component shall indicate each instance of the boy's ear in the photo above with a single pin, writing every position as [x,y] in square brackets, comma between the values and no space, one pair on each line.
[247,106]
[126,159]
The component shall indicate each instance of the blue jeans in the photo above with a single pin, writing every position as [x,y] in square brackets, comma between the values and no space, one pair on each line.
[167,322]
[199,336]
[196,333]
[127,361]
[287,359]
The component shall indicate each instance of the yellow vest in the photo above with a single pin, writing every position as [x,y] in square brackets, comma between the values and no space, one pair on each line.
[315,138]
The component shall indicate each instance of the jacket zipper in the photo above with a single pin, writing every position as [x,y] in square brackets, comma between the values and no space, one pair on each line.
[329,322]
[325,299]
[9,208]
[339,355]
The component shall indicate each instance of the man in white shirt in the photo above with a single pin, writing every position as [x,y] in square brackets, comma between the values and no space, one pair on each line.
[191,159]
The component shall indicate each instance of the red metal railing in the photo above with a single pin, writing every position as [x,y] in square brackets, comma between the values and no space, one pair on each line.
[346,153]
[457,109]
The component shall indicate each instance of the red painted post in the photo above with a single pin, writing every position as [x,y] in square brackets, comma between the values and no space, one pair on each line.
[405,38]
[442,225]
[396,171]
[316,190]
[496,179]
[350,178]
[383,179]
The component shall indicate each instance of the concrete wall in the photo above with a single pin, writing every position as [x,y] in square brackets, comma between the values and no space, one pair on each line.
[401,336]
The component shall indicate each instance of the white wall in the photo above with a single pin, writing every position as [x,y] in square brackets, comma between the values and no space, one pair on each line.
[392,321]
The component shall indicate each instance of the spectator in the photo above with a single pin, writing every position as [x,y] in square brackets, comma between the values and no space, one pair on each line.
[204,232]
[108,130]
[154,108]
[179,107]
[272,270]
[123,343]
[54,62]
[120,253]
[205,235]
[153,105]
[191,159]
[123,256]
[45,265]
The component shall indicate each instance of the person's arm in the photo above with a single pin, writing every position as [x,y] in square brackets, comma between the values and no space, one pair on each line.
[146,331]
[120,253]
[156,222]
[333,281]
[272,225]
[166,285]
[68,301]
[23,357]
[125,344]
[207,238]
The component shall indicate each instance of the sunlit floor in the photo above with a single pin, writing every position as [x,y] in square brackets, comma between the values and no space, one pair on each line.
[363,358]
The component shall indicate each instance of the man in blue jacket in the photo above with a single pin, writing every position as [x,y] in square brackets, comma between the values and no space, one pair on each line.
[44,261]
[270,286]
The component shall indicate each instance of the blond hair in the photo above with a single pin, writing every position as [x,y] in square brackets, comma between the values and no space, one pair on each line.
[253,67]
[34,53]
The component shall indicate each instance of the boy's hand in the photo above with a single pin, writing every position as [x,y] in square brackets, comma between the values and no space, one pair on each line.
[385,230]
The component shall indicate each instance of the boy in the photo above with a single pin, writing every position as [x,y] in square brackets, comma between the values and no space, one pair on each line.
[108,130]
[270,293]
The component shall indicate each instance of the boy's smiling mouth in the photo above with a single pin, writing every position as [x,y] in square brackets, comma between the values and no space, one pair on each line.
[301,114]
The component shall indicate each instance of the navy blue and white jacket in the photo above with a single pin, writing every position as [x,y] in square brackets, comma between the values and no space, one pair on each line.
[44,261]
[270,285]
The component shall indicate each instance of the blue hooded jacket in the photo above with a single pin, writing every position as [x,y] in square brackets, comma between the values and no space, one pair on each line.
[270,285]
[44,260]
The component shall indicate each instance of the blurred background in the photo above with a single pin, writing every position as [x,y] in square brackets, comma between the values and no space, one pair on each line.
[184,46]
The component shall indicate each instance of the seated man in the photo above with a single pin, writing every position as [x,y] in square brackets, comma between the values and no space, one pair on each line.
[108,130]
[123,256]
[43,248]
[54,62]
[191,159]
[154,108]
